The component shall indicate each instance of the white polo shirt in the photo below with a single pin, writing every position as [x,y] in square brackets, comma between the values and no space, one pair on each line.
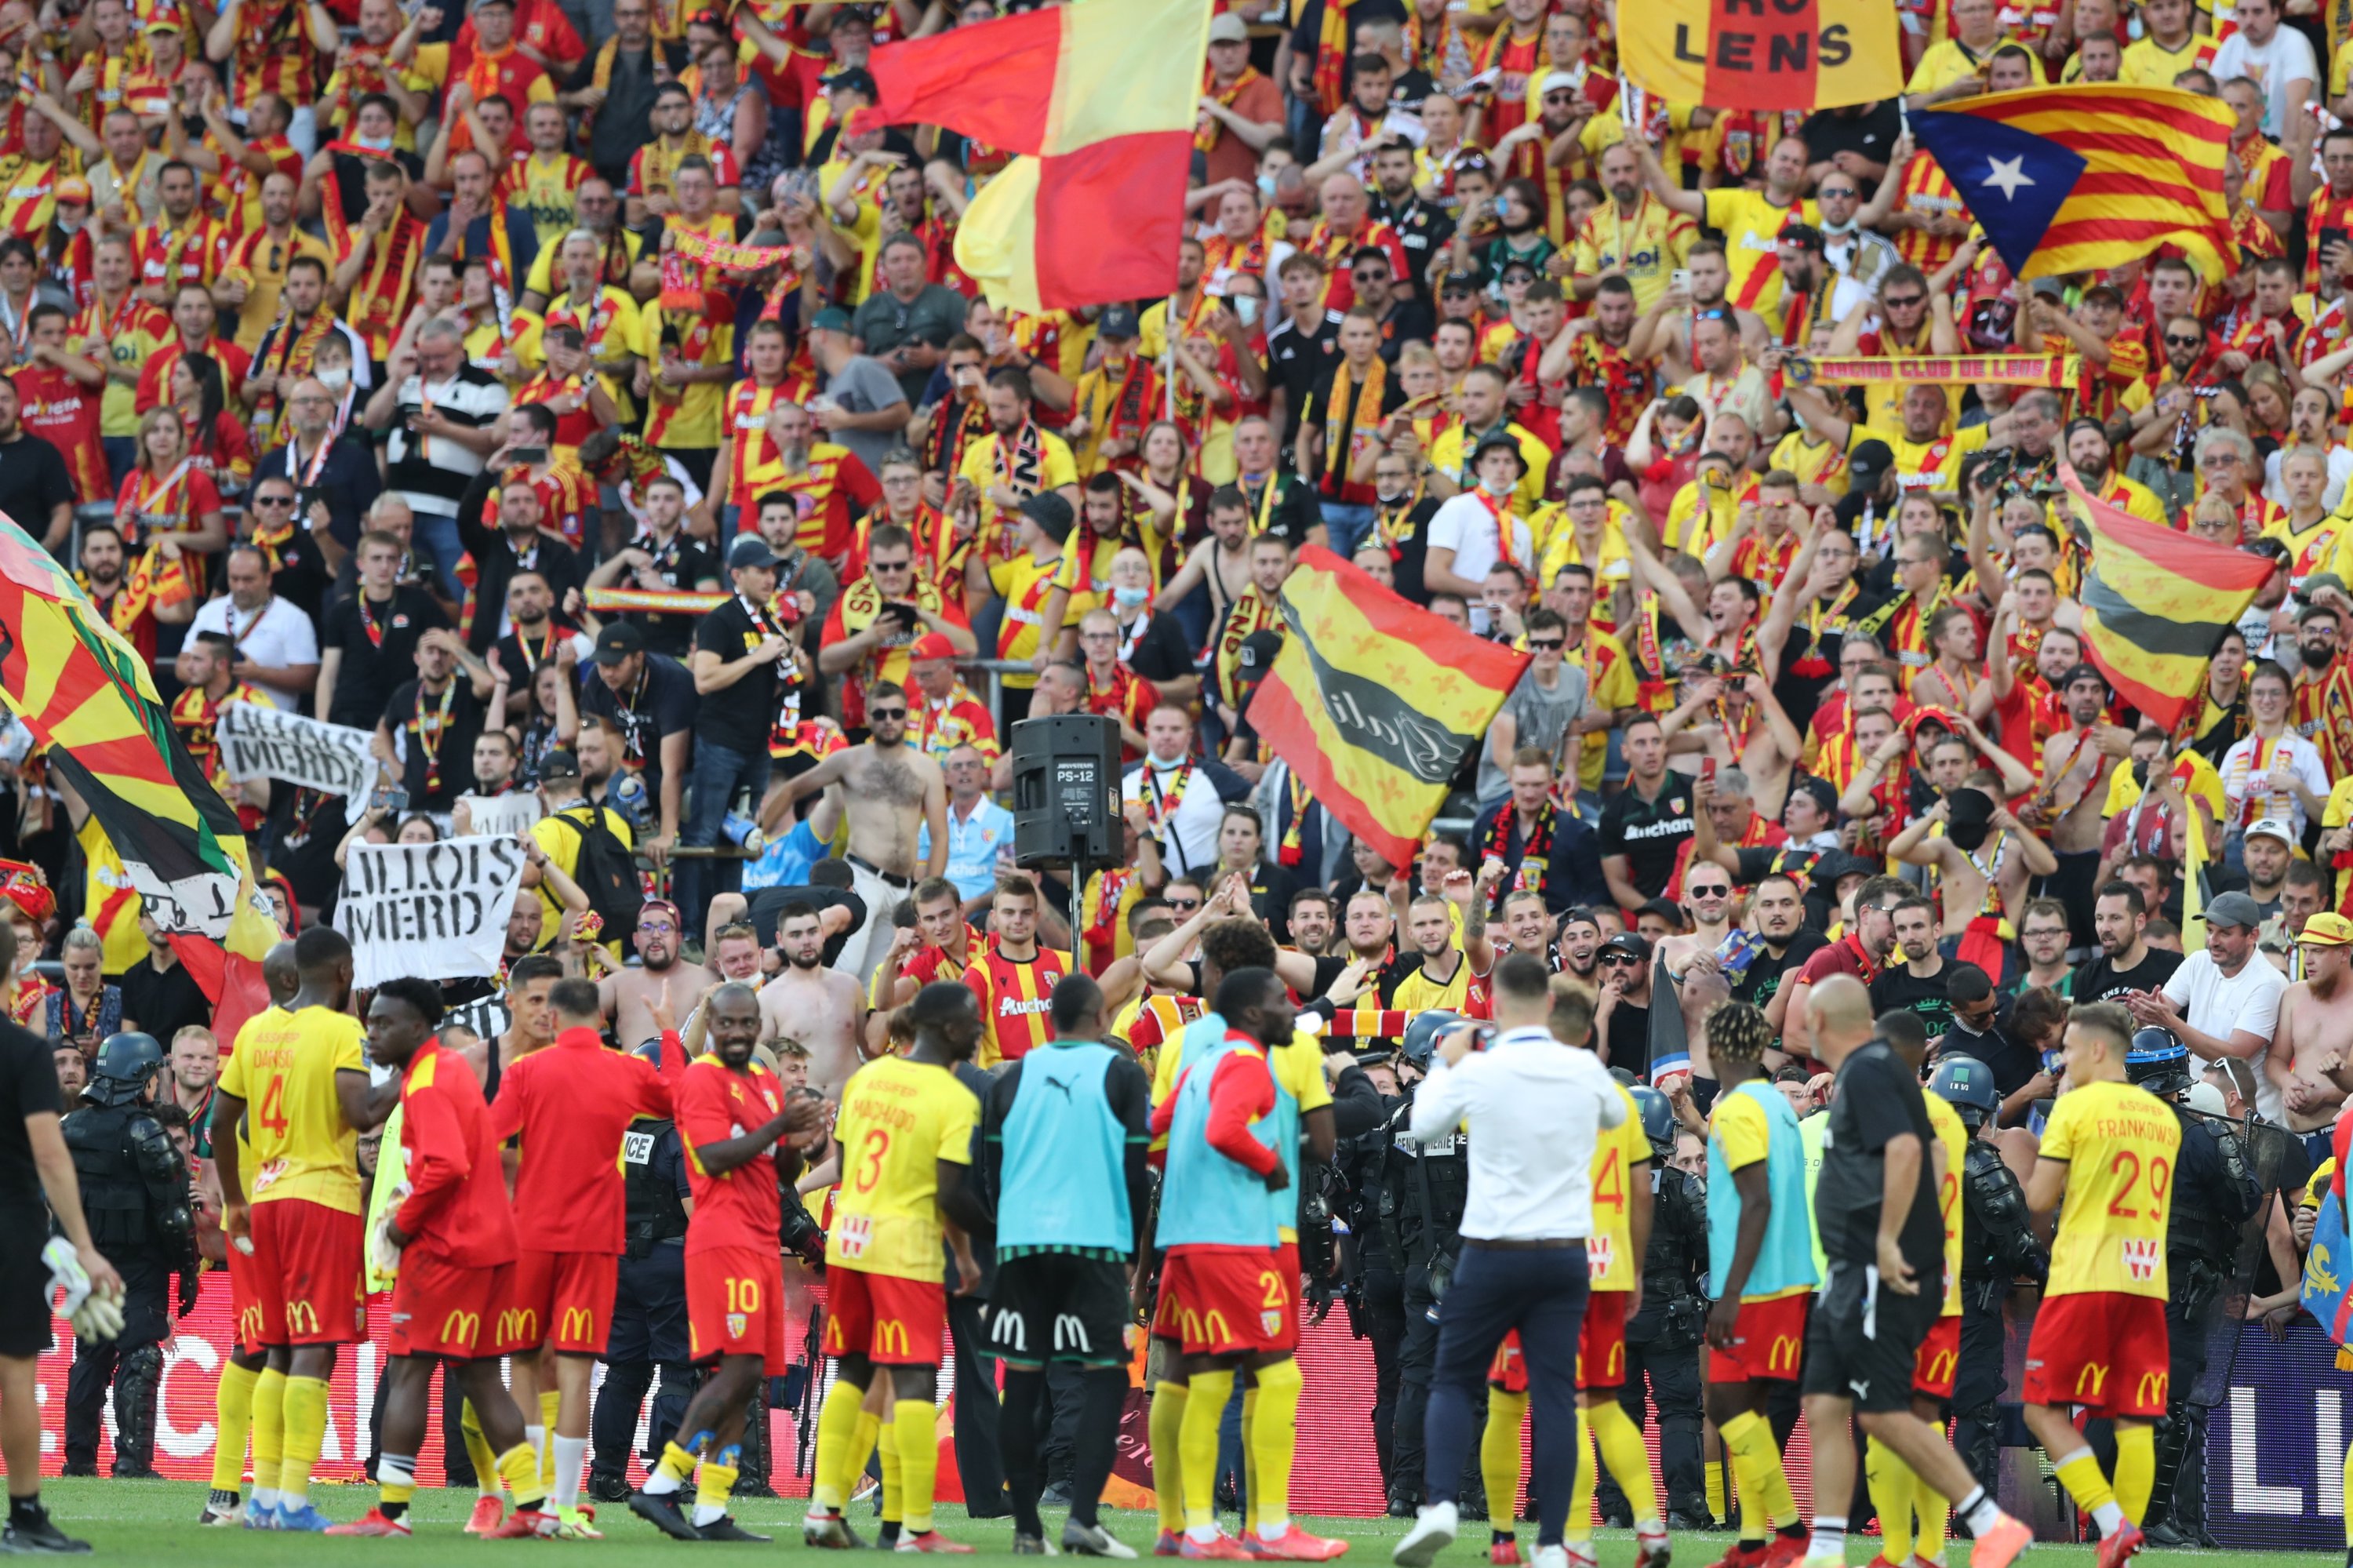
[276,635]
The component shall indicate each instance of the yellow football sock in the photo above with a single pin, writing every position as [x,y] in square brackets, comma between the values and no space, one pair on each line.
[915,1424]
[306,1433]
[676,1463]
[549,1402]
[519,1467]
[1766,1503]
[2136,1466]
[269,1428]
[1893,1484]
[1168,1419]
[1197,1441]
[1249,1459]
[1272,1441]
[894,1485]
[232,1420]
[1933,1508]
[486,1464]
[2081,1476]
[837,1441]
[1580,1491]
[1712,1472]
[868,1432]
[1499,1456]
[1620,1442]
[713,1484]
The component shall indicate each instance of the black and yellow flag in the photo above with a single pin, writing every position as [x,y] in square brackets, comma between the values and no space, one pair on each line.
[1375,702]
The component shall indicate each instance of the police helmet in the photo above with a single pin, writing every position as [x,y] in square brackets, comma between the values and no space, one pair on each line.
[124,1065]
[1966,1084]
[1421,1036]
[2158,1062]
[1658,1119]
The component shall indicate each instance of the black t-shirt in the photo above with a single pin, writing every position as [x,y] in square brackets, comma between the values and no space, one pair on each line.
[685,564]
[1878,1099]
[1762,981]
[2011,1063]
[740,716]
[32,479]
[521,660]
[379,647]
[769,902]
[1630,1038]
[1298,359]
[1648,832]
[1897,988]
[1160,653]
[301,576]
[1409,544]
[660,703]
[2101,981]
[163,1004]
[436,774]
[1382,981]
[28,1085]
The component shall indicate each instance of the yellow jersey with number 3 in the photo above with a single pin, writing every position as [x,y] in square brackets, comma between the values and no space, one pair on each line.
[2120,1144]
[898,1120]
[1947,1123]
[1609,1257]
[297,1140]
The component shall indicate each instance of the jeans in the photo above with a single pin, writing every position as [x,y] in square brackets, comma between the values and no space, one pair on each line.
[1540,1292]
[1345,526]
[720,774]
[437,535]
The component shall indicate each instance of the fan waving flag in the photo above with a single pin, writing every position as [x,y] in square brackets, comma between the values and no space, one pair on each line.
[1099,99]
[2068,179]
[1737,54]
[1374,701]
[2155,603]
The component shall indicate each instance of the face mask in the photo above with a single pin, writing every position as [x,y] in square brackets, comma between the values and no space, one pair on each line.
[374,143]
[1266,188]
[333,380]
[1246,309]
[2319,655]
[1130,597]
[73,227]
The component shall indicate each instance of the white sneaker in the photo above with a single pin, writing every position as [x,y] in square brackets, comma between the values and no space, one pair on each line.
[1433,1530]
[1555,1557]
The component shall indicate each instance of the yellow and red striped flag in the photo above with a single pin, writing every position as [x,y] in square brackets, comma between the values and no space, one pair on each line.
[1099,99]
[2069,179]
[1374,701]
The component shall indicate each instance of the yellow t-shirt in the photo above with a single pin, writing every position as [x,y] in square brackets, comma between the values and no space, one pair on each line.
[1610,1250]
[1947,1123]
[563,847]
[1691,532]
[1813,461]
[1612,686]
[898,1120]
[1946,61]
[1056,468]
[701,407]
[1650,246]
[540,279]
[1022,582]
[431,66]
[1751,227]
[866,234]
[284,1069]
[1742,1132]
[2204,784]
[2120,1144]
[1450,456]
[1418,992]
[1926,465]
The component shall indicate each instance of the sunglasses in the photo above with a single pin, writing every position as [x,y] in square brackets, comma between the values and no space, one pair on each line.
[1619,958]
[1183,904]
[1541,643]
[883,715]
[273,500]
[1724,891]
[1907,303]
[2173,342]
[890,565]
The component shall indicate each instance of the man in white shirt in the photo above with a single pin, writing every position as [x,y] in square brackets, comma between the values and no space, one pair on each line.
[1534,1109]
[1466,533]
[2224,1001]
[2277,58]
[273,646]
[2272,771]
[1184,796]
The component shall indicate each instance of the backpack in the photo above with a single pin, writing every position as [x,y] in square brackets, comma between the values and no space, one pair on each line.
[605,871]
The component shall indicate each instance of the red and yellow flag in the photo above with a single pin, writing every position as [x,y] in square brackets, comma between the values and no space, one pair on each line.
[1374,701]
[1099,99]
[1743,54]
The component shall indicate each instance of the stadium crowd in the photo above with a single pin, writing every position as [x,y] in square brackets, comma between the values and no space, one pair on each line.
[584,398]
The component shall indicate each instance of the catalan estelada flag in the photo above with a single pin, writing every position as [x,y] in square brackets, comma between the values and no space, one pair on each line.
[1375,702]
[1739,53]
[2155,604]
[1100,98]
[2068,179]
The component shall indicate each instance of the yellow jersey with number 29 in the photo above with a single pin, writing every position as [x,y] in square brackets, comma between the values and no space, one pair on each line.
[1945,1122]
[2120,1144]
[898,1120]
[284,1070]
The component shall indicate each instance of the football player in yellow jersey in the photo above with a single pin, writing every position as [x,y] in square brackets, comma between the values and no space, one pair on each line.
[1622,1195]
[2107,1164]
[905,1134]
[301,1071]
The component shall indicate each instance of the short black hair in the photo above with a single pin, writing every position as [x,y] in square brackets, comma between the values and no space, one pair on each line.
[1522,977]
[1245,989]
[1968,984]
[422,995]
[318,947]
[576,997]
[529,968]
[1077,998]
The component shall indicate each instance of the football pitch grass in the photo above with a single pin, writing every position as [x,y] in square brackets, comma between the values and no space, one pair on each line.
[154,1523]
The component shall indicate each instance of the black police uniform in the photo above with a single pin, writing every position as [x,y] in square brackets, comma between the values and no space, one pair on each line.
[1998,1246]
[1425,1186]
[2214,1194]
[649,1311]
[134,1194]
[1374,1298]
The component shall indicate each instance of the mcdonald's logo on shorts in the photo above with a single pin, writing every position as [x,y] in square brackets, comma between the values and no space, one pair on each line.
[1941,1366]
[1216,1330]
[249,1327]
[519,1326]
[2095,1374]
[890,1337]
[579,1324]
[1615,1367]
[834,1343]
[1783,1355]
[302,1318]
[2151,1393]
[461,1329]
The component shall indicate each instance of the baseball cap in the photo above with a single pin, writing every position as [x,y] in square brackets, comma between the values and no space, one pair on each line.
[2234,909]
[856,79]
[1803,235]
[1866,463]
[1557,82]
[2327,930]
[2272,828]
[750,550]
[1256,656]
[1118,321]
[1228,29]
[2113,295]
[1459,283]
[73,188]
[2085,672]
[558,764]
[833,318]
[931,646]
[618,641]
[659,906]
[1630,942]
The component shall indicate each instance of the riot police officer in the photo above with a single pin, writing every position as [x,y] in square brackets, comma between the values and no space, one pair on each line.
[134,1190]
[2214,1194]
[648,1308]
[1998,1247]
[1374,1292]
[1662,1338]
[1423,1189]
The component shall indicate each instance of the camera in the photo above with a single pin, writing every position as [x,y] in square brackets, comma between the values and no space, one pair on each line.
[797,1231]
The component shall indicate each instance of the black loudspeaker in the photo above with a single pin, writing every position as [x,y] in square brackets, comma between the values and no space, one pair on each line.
[1066,792]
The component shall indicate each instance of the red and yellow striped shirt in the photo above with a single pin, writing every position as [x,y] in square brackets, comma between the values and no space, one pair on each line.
[1014,998]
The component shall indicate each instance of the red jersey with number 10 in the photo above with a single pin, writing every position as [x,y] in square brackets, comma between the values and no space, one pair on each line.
[735,1208]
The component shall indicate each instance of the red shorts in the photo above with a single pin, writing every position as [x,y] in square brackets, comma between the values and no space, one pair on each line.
[308,1273]
[568,1296]
[2102,1350]
[890,1321]
[736,1305]
[1218,1301]
[1601,1348]
[1768,1341]
[1286,1263]
[441,1308]
[245,1308]
[1931,1369]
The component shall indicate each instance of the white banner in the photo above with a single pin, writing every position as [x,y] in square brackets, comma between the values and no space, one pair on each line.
[435,911]
[485,1015]
[258,741]
[500,816]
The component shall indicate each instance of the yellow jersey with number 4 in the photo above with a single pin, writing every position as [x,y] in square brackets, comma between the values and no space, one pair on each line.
[898,1120]
[2120,1144]
[284,1070]
[1947,1124]
[1609,1256]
